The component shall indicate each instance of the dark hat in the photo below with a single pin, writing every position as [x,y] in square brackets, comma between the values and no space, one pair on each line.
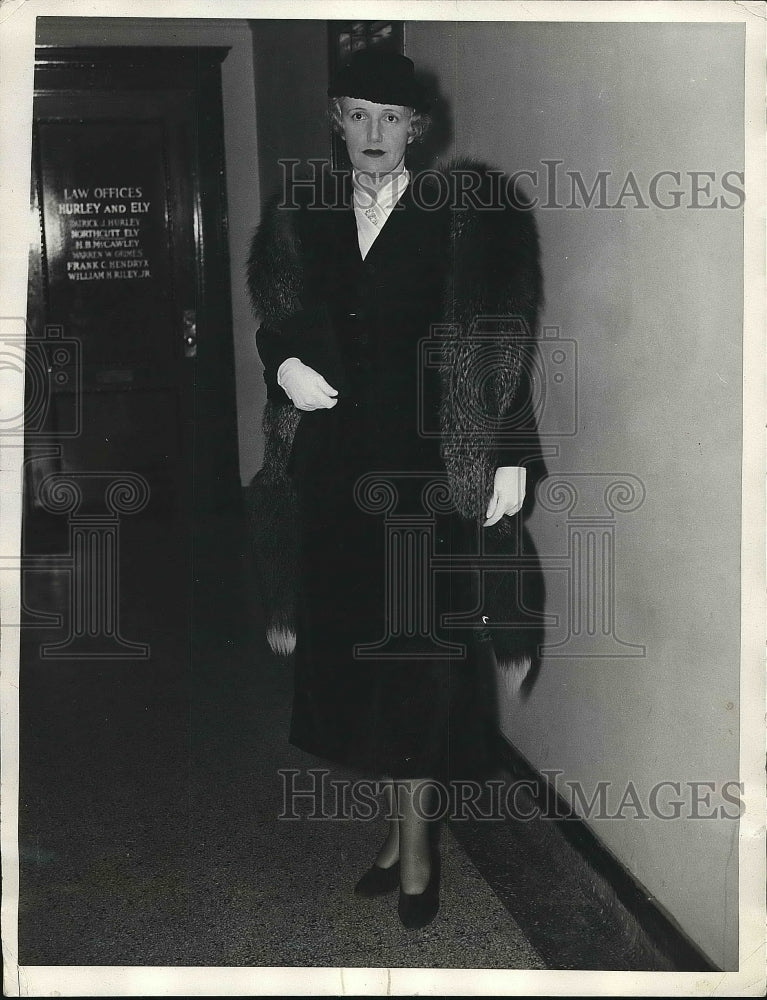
[381,77]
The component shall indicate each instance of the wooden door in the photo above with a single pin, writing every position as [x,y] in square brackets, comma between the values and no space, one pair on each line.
[129,315]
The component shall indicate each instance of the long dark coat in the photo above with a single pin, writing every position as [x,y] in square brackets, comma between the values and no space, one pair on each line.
[395,478]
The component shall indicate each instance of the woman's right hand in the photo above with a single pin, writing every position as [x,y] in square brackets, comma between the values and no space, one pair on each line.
[305,387]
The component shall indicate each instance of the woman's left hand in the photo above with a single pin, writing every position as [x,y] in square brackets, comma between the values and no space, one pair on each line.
[508,493]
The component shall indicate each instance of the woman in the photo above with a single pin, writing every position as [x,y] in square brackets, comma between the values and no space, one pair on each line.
[349,276]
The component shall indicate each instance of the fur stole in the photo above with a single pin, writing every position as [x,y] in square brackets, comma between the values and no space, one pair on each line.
[497,278]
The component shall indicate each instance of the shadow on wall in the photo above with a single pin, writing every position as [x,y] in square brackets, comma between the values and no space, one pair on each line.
[439,139]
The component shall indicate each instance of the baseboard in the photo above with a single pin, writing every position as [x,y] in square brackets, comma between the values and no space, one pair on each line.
[655,939]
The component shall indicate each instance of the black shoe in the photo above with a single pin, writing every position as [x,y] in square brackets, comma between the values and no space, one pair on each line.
[419,909]
[378,881]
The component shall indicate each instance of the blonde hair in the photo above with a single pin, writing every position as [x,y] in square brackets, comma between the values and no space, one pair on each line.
[419,120]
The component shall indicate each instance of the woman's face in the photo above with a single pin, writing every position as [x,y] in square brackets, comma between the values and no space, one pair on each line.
[376,134]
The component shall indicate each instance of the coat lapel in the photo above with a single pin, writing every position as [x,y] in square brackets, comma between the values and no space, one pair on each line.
[394,229]
[346,244]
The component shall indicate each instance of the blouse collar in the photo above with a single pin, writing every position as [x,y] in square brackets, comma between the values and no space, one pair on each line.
[385,197]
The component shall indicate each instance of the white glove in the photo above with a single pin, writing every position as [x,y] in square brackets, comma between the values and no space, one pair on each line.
[508,493]
[305,387]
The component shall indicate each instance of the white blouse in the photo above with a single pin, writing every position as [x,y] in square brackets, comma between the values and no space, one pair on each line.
[373,207]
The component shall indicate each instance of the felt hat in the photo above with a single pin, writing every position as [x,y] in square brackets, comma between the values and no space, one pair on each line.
[381,77]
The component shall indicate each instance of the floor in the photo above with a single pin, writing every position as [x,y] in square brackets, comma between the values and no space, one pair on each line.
[151,793]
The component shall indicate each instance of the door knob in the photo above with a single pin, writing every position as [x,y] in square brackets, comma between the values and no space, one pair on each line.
[190,333]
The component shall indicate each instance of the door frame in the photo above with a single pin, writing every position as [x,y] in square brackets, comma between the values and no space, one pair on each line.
[197,71]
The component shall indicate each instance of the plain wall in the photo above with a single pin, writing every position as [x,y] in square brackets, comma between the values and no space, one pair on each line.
[242,173]
[653,299]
